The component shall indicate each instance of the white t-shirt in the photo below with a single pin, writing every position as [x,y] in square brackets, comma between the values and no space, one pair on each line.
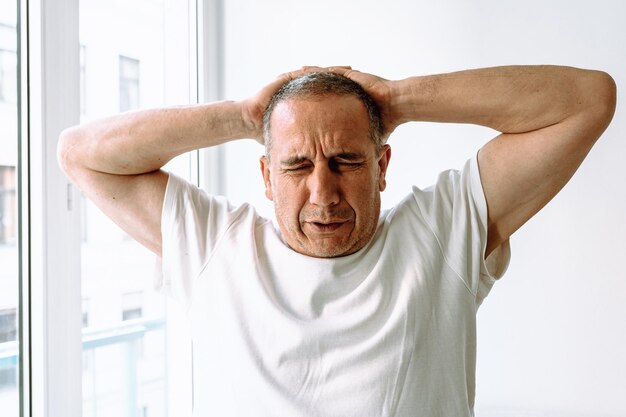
[387,331]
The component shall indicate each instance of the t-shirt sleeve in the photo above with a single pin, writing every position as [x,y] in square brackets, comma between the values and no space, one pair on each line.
[456,211]
[192,223]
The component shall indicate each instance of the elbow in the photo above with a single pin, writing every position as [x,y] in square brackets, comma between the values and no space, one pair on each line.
[603,92]
[67,149]
[593,104]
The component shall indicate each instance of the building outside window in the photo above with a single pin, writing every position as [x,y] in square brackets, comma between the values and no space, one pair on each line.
[127,343]
[129,83]
[132,306]
[8,63]
[8,333]
[8,205]
[85,312]
[129,348]
[83,80]
[8,325]
[9,301]
[8,87]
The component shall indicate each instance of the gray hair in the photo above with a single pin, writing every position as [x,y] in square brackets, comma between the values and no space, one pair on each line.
[324,84]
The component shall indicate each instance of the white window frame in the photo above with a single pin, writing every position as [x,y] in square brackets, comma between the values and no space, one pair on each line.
[210,87]
[51,268]
[51,345]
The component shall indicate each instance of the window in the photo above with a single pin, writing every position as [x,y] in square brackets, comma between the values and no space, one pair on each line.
[8,205]
[8,59]
[129,84]
[9,255]
[8,63]
[83,81]
[128,349]
[8,325]
[85,316]
[8,354]
[132,306]
[127,363]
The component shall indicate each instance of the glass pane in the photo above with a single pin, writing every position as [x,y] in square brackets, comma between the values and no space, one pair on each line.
[125,337]
[129,83]
[9,277]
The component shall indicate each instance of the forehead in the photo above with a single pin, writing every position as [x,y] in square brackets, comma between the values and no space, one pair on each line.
[333,124]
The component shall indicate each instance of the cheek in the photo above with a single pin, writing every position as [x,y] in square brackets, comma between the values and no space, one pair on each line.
[287,202]
[365,197]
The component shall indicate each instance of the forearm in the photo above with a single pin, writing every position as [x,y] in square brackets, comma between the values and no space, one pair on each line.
[144,141]
[509,99]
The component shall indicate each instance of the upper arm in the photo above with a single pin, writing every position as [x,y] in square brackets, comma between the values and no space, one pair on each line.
[133,202]
[522,172]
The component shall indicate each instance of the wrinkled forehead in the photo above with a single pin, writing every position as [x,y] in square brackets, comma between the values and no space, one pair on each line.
[337,123]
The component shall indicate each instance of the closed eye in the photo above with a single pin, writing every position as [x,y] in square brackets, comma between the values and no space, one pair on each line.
[296,168]
[343,166]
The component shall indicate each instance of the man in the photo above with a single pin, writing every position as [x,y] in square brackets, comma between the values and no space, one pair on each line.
[342,310]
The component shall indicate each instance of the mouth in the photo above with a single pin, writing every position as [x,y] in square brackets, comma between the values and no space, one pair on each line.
[326,227]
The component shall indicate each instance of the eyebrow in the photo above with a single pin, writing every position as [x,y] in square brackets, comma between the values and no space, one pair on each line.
[293,160]
[299,159]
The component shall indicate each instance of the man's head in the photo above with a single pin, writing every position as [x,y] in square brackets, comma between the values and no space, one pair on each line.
[319,85]
[325,164]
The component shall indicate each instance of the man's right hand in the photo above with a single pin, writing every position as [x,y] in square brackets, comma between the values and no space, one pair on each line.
[254,107]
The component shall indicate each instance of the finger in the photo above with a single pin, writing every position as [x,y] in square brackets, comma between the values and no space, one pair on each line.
[287,76]
[290,75]
[341,70]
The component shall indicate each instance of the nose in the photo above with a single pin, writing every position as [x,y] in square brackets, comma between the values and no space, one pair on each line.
[324,190]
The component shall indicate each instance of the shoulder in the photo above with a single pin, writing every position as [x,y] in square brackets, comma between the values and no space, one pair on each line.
[183,197]
[450,215]
[454,192]
[194,221]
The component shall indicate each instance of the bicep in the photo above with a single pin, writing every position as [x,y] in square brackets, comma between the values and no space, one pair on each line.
[522,172]
[133,202]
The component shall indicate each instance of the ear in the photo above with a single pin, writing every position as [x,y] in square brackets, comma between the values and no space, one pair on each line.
[383,162]
[265,171]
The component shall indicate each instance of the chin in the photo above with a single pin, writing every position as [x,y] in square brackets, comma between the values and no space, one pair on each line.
[331,250]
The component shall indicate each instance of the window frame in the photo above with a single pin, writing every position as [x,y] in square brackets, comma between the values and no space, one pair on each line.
[210,53]
[51,288]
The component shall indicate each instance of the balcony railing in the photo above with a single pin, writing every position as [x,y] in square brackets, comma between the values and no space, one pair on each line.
[102,390]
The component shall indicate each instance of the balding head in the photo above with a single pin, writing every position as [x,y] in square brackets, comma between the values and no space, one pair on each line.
[317,85]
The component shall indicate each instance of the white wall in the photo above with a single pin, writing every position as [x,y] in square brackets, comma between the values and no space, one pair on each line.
[552,334]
